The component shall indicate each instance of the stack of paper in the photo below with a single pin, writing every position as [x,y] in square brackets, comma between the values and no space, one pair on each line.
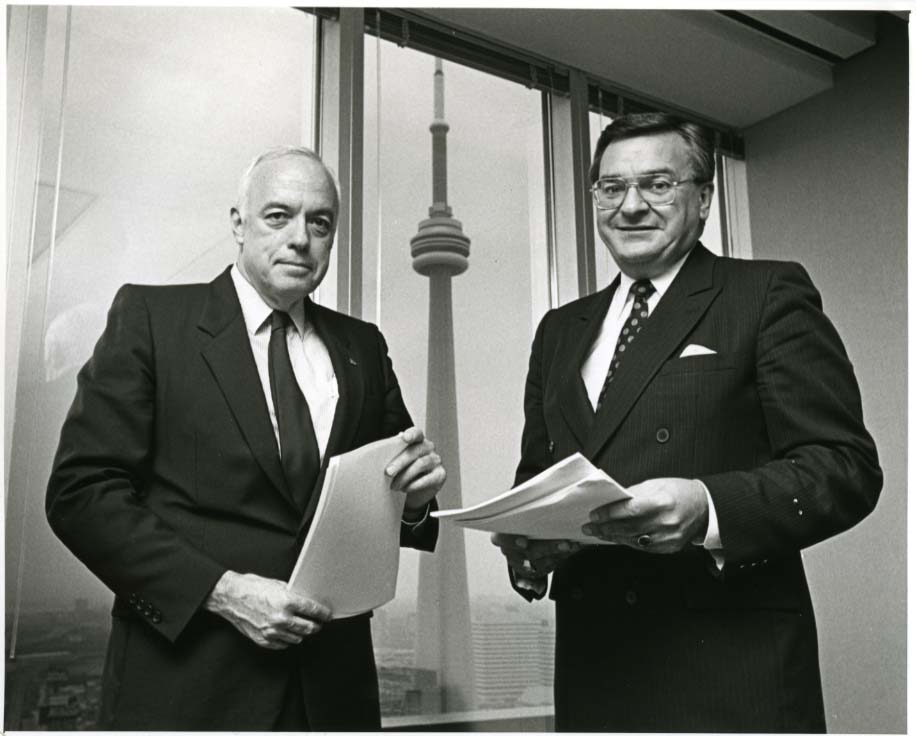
[552,505]
[349,561]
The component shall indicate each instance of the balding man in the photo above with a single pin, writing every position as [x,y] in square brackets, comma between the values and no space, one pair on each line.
[187,472]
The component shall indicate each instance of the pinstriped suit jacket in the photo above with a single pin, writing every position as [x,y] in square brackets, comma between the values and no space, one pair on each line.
[772,424]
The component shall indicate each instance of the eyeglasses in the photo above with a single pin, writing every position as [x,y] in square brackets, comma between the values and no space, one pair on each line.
[655,189]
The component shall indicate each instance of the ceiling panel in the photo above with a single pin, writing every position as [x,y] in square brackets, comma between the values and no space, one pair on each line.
[697,60]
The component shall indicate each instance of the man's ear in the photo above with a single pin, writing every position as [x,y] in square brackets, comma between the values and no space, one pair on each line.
[237,223]
[707,192]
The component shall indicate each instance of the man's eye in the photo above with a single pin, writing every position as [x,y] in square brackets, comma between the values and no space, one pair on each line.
[658,185]
[613,188]
[320,226]
[276,218]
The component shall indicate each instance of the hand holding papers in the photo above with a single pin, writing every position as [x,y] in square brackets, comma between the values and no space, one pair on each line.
[349,561]
[552,505]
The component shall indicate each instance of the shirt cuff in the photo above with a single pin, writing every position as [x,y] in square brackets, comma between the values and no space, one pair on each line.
[414,523]
[712,542]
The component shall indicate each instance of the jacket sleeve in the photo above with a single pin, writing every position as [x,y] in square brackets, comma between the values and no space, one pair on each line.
[535,453]
[823,476]
[422,536]
[96,493]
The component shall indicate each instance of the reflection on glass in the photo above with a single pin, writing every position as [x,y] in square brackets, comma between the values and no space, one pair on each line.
[496,189]
[162,109]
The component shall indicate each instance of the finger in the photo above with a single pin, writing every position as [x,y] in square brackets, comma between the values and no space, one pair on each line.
[263,641]
[433,479]
[509,541]
[406,456]
[416,472]
[282,635]
[411,435]
[624,509]
[308,608]
[545,549]
[303,627]
[609,533]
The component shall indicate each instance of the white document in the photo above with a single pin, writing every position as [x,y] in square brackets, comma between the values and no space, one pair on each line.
[552,505]
[349,561]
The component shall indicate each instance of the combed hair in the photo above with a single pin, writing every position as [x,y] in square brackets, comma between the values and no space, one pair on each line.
[698,138]
[274,153]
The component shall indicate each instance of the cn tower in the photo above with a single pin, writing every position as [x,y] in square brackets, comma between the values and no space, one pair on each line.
[440,251]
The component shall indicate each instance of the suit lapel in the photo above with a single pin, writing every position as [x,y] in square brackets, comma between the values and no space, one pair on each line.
[228,354]
[350,389]
[685,302]
[350,383]
[581,335]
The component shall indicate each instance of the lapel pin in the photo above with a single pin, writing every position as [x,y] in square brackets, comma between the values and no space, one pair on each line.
[352,362]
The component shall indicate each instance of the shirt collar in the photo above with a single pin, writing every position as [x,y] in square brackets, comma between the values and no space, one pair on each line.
[660,282]
[256,311]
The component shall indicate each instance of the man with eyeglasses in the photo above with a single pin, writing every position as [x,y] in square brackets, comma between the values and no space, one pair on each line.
[189,469]
[720,394]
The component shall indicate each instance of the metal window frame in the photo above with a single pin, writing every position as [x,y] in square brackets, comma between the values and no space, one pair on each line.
[569,95]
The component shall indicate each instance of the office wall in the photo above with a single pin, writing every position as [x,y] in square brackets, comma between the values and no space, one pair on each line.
[827,183]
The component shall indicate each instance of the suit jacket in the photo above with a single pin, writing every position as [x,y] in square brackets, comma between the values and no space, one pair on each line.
[772,424]
[168,474]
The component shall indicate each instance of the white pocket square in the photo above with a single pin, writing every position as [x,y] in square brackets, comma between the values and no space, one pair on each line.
[695,350]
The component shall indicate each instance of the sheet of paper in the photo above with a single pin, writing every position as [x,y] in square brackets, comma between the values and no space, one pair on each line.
[349,561]
[554,504]
[555,478]
[558,516]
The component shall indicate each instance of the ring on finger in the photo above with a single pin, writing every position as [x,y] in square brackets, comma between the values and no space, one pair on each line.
[644,540]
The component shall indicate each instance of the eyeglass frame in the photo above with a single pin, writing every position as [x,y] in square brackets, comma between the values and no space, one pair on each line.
[633,181]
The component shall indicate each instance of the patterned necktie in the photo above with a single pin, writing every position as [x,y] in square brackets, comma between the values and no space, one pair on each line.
[298,446]
[641,291]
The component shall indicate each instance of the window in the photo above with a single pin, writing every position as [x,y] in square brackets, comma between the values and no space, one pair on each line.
[495,188]
[149,115]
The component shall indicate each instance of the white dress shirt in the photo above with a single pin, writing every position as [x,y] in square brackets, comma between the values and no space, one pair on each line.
[309,356]
[594,369]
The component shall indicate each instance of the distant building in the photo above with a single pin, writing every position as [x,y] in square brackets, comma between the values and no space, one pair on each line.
[514,662]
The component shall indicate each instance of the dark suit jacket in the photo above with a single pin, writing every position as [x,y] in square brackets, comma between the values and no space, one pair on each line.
[168,474]
[772,424]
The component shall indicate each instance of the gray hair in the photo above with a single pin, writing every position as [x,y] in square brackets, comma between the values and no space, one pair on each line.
[272,154]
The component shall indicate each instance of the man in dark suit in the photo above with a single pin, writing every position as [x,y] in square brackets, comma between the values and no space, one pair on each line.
[187,474]
[718,392]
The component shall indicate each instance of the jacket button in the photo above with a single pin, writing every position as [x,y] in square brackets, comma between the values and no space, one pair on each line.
[662,435]
[550,447]
[157,617]
[630,597]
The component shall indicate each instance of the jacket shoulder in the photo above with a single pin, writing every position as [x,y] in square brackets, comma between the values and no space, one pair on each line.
[577,307]
[756,269]
[342,323]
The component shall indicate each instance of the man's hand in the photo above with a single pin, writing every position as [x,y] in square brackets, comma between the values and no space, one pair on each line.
[664,516]
[264,610]
[417,470]
[533,558]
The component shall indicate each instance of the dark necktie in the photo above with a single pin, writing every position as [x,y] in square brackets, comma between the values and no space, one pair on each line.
[641,291]
[298,446]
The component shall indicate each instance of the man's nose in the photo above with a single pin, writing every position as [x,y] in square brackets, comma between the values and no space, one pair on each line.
[299,233]
[633,202]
